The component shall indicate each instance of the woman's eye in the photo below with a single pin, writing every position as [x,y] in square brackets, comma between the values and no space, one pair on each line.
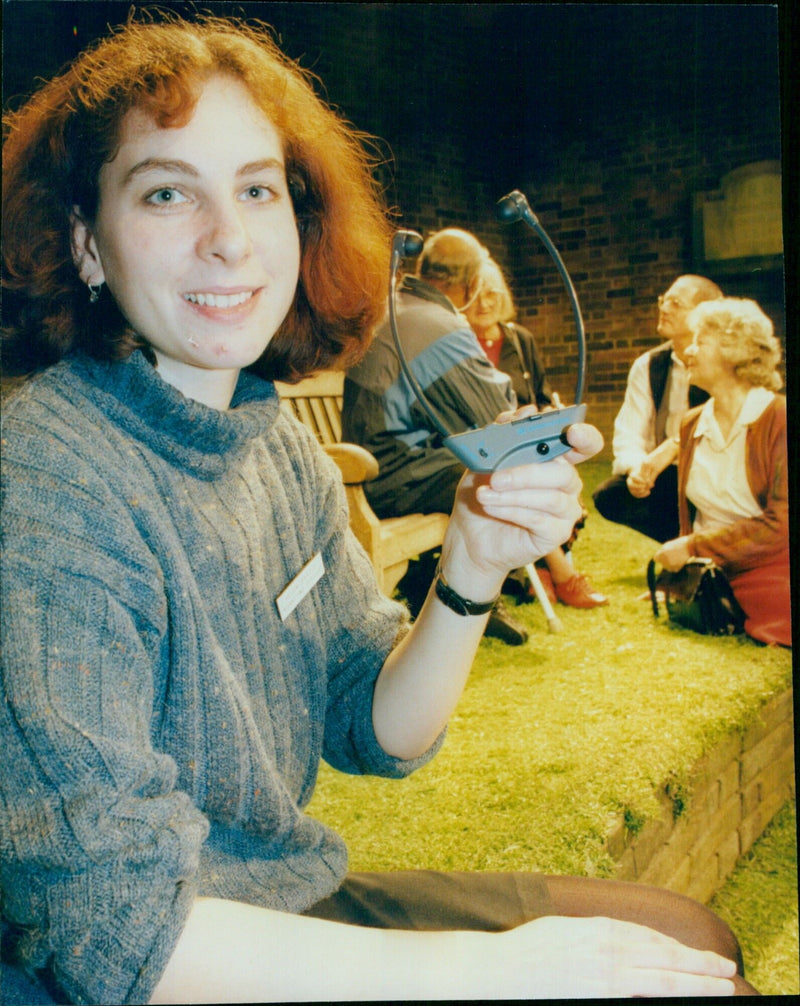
[165,197]
[258,193]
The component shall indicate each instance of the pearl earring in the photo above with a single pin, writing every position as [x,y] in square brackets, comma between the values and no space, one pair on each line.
[94,292]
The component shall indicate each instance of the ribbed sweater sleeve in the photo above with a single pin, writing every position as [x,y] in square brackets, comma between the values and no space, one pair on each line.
[100,850]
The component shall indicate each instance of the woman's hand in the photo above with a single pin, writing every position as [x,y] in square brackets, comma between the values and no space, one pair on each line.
[598,958]
[511,517]
[673,555]
[640,480]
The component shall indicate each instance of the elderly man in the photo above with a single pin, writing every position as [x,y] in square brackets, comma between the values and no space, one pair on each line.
[643,490]
[380,411]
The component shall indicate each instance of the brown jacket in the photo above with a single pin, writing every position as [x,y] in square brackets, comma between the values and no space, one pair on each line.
[751,541]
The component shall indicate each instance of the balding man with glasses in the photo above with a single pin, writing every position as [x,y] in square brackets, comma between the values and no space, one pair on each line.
[642,492]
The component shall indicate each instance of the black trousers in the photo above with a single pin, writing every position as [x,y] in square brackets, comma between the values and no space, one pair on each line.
[655,516]
[494,902]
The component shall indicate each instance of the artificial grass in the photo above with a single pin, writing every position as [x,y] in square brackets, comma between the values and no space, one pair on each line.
[553,740]
[759,902]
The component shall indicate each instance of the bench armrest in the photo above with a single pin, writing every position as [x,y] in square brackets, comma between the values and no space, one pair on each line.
[355,463]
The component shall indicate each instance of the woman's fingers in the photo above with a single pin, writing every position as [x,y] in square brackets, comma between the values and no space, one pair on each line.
[557,474]
[602,957]
[645,962]
[586,441]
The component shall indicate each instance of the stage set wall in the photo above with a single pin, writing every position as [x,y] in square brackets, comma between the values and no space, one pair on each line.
[611,119]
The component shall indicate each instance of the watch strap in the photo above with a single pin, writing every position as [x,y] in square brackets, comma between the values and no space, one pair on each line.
[455,602]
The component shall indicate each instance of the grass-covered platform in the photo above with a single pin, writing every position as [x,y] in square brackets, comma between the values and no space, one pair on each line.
[565,752]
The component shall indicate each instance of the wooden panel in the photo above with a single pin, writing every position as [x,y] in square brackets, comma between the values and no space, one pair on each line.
[328,383]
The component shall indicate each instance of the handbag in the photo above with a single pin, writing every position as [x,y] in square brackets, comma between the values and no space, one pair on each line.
[697,597]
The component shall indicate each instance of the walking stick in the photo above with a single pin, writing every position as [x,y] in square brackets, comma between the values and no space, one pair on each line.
[553,621]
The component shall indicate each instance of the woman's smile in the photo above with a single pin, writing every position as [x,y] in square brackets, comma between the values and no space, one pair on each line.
[221,301]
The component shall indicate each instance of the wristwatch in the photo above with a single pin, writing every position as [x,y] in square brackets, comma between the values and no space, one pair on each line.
[455,602]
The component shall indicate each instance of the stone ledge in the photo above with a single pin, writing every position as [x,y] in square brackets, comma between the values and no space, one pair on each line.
[731,796]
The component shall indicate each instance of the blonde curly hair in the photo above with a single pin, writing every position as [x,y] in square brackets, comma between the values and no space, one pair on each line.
[745,336]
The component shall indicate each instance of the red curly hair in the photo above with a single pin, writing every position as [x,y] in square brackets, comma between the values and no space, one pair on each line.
[56,144]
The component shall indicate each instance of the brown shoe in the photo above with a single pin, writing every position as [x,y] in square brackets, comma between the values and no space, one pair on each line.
[502,626]
[577,592]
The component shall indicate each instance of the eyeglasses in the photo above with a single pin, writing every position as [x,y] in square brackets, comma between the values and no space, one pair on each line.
[670,301]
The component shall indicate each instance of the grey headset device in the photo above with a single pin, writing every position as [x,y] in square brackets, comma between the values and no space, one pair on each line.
[536,438]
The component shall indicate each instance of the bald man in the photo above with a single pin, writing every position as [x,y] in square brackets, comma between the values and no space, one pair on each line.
[643,490]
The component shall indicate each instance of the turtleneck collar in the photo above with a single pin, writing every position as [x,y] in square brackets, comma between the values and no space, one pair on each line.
[188,434]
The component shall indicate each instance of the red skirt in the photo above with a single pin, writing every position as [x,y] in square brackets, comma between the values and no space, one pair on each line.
[764,595]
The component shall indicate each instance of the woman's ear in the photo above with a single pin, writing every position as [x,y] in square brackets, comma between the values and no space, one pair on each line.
[85,254]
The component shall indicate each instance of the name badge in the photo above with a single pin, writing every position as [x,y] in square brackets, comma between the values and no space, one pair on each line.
[297,588]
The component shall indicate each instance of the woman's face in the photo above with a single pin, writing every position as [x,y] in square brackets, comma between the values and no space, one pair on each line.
[707,367]
[484,311]
[195,237]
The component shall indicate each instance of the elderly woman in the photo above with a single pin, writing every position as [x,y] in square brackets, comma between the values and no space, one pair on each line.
[513,349]
[189,625]
[732,475]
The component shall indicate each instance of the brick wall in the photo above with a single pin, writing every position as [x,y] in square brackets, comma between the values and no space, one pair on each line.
[613,189]
[611,180]
[716,816]
[609,117]
[623,225]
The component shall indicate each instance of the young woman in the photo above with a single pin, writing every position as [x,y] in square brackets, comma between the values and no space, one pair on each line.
[732,468]
[189,625]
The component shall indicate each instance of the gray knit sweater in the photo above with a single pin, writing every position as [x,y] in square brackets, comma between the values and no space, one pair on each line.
[161,724]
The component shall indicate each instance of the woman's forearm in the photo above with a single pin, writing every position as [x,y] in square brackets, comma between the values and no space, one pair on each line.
[501,521]
[233,952]
[423,678]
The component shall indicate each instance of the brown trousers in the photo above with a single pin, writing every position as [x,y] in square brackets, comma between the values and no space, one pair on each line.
[493,902]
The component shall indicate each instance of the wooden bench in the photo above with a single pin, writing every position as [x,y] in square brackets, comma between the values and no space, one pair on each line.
[392,542]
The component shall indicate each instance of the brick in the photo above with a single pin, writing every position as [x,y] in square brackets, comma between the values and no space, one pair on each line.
[662,868]
[626,868]
[682,838]
[751,797]
[727,856]
[704,799]
[653,837]
[616,840]
[703,880]
[776,778]
[712,763]
[680,878]
[729,780]
[766,751]
[754,824]
[716,829]
[776,712]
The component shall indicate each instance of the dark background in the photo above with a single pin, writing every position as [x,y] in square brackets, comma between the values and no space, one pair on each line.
[609,116]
